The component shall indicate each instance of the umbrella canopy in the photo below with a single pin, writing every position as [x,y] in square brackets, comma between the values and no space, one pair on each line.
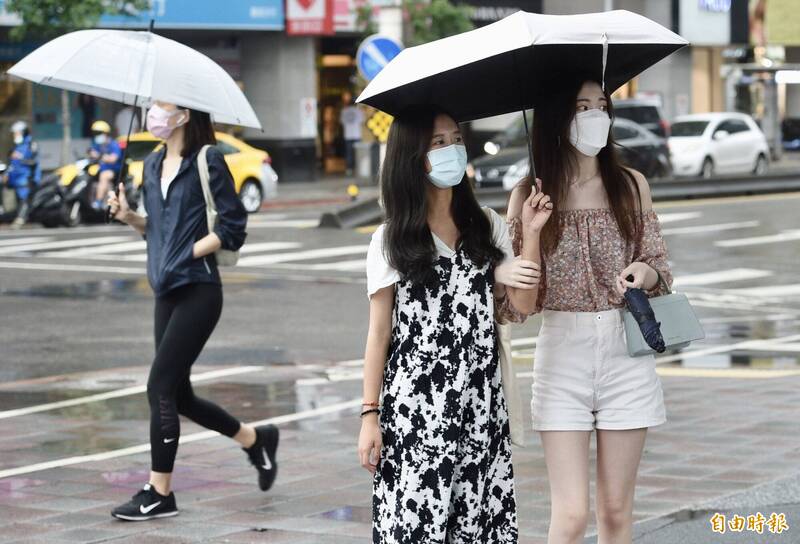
[504,66]
[135,68]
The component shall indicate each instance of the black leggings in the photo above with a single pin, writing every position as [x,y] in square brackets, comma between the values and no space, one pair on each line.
[185,318]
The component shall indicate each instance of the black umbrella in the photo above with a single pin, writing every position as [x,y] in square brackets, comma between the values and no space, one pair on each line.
[639,307]
[505,66]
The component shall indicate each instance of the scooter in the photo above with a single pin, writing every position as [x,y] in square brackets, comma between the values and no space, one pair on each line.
[79,192]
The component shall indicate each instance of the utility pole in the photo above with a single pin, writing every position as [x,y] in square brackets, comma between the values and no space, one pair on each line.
[608,5]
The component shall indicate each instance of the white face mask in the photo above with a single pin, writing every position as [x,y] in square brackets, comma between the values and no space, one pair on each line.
[19,139]
[588,131]
[448,165]
[100,139]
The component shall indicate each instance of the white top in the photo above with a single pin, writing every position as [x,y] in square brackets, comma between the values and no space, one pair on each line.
[380,274]
[166,182]
[351,119]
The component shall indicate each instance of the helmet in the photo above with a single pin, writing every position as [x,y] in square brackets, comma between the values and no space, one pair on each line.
[101,126]
[19,126]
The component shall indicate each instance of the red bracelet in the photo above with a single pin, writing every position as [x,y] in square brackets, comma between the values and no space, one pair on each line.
[370,404]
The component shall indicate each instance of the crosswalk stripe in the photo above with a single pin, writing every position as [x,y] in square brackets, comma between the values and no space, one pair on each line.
[302,255]
[121,247]
[665,218]
[63,244]
[710,228]
[268,246]
[785,236]
[21,241]
[721,276]
[342,266]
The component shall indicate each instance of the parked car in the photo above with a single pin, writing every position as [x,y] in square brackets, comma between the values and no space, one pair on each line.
[706,144]
[643,112]
[638,148]
[251,168]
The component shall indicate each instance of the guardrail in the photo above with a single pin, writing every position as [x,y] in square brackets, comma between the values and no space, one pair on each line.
[369,211]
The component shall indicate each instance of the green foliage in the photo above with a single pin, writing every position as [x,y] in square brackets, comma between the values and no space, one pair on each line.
[434,19]
[48,18]
[364,20]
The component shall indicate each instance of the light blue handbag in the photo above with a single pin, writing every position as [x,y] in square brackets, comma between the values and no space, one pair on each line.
[679,324]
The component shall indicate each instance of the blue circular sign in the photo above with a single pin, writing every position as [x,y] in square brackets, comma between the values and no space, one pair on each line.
[374,53]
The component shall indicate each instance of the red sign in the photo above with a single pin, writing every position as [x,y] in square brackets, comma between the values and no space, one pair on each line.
[309,17]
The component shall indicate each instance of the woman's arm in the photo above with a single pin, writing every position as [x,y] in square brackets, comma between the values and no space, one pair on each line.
[121,211]
[650,254]
[381,306]
[231,215]
[536,211]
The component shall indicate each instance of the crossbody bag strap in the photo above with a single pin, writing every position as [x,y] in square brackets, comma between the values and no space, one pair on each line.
[202,170]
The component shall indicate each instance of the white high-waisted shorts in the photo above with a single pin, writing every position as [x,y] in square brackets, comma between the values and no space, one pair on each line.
[584,379]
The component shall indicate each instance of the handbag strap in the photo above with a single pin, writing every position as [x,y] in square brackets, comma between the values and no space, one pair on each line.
[202,170]
[663,283]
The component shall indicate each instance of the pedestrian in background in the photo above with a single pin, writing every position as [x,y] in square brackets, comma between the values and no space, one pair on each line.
[435,430]
[108,154]
[182,271]
[583,378]
[352,120]
[24,173]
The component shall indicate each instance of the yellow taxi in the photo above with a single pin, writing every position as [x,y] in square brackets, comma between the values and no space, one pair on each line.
[253,175]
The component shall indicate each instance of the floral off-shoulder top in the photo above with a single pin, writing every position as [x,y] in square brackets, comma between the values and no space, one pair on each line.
[579,275]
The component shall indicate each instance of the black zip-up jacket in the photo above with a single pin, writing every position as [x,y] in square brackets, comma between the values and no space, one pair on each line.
[174,224]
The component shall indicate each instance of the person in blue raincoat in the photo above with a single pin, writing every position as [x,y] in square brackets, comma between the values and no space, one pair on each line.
[108,153]
[24,173]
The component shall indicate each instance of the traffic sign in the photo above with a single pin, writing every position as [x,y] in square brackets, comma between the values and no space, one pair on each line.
[374,53]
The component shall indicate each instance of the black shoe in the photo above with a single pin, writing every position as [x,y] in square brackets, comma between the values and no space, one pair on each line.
[147,504]
[262,455]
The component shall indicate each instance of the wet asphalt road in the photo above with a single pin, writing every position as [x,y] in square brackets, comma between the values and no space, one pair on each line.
[76,316]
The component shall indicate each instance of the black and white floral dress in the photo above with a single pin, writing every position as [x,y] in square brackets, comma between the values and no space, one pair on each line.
[445,473]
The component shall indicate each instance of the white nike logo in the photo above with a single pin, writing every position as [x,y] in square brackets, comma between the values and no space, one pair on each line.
[168,440]
[267,463]
[146,509]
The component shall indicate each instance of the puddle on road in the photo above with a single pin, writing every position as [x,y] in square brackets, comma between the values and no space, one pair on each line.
[122,422]
[116,289]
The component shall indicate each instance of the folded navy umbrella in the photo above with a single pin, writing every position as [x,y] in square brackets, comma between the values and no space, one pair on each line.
[639,306]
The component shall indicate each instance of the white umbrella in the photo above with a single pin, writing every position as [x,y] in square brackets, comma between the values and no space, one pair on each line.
[135,68]
[504,66]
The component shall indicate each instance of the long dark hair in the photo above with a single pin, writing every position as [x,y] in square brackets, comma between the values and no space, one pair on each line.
[408,243]
[199,131]
[556,164]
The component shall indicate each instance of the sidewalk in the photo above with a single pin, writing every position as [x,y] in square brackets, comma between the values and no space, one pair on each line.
[724,435]
[328,191]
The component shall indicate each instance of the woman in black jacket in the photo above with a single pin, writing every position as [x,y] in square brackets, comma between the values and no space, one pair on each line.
[183,273]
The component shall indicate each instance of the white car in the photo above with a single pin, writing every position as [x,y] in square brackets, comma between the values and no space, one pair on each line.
[706,144]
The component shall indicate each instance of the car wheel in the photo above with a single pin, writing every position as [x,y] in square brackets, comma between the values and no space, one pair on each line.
[761,166]
[251,196]
[72,214]
[707,170]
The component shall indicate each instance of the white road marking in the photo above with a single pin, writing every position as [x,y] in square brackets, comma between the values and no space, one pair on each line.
[777,291]
[124,392]
[185,439]
[710,228]
[109,249]
[268,246]
[342,266]
[722,276]
[285,224]
[785,236]
[302,255]
[747,344]
[29,240]
[665,218]
[77,242]
[73,268]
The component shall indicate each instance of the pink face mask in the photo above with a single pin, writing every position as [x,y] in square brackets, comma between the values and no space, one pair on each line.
[158,121]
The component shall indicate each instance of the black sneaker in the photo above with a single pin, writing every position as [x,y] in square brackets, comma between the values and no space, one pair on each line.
[147,504]
[262,455]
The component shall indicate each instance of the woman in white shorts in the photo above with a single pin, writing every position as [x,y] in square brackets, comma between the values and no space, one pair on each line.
[602,231]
